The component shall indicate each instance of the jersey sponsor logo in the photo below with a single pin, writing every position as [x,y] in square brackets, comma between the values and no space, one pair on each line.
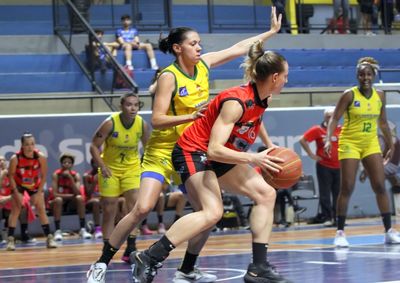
[357,103]
[115,135]
[183,91]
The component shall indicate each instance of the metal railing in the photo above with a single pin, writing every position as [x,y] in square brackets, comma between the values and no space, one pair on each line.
[69,21]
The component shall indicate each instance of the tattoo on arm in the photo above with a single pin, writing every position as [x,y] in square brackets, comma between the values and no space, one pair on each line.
[99,135]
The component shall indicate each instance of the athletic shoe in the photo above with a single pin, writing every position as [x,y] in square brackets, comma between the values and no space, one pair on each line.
[83,234]
[97,273]
[98,234]
[340,240]
[144,268]
[4,236]
[58,235]
[194,276]
[10,243]
[28,239]
[327,223]
[161,228]
[50,242]
[299,209]
[146,230]
[392,237]
[265,273]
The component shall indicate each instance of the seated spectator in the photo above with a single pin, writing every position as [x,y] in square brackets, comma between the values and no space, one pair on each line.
[128,38]
[101,60]
[283,197]
[234,216]
[92,197]
[66,188]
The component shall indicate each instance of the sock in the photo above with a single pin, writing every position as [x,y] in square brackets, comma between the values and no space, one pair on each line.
[108,253]
[11,231]
[57,223]
[24,230]
[82,222]
[153,62]
[188,262]
[46,229]
[105,241]
[259,253]
[340,222]
[131,245]
[160,218]
[176,217]
[160,249]
[129,62]
[387,221]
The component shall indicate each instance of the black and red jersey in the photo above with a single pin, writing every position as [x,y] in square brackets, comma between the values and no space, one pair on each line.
[244,133]
[65,184]
[27,174]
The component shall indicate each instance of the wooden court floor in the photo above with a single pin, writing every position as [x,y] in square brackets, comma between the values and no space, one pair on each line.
[302,253]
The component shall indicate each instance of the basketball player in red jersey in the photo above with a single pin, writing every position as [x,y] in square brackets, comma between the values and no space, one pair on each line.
[211,154]
[27,172]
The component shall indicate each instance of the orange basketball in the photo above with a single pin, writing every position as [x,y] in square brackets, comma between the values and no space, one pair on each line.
[291,169]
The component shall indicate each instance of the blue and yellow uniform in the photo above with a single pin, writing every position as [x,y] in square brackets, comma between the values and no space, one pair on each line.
[359,136]
[189,94]
[121,155]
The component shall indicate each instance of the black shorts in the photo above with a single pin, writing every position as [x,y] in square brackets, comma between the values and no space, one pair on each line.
[366,6]
[188,163]
[30,192]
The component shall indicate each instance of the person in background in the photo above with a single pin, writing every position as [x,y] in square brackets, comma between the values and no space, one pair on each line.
[27,174]
[364,110]
[341,11]
[66,189]
[327,167]
[92,196]
[128,38]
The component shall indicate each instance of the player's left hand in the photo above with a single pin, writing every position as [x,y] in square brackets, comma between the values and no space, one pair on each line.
[275,20]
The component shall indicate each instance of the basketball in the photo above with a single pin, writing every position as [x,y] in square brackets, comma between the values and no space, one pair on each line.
[291,169]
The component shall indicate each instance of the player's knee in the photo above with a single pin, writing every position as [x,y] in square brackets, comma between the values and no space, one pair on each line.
[214,215]
[58,201]
[142,209]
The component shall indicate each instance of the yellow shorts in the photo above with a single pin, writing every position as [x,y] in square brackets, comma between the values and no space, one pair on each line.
[119,182]
[159,161]
[358,150]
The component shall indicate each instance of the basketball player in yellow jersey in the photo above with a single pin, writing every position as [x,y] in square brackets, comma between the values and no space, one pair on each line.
[119,162]
[181,96]
[364,110]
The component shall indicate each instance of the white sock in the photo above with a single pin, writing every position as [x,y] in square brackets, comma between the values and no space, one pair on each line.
[153,63]
[129,62]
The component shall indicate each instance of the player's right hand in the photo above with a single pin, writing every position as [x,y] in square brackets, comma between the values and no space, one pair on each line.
[106,172]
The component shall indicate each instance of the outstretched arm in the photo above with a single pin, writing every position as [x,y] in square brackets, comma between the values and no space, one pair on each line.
[214,59]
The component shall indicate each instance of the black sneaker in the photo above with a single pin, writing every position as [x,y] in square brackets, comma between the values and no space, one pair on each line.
[265,273]
[144,268]
[299,209]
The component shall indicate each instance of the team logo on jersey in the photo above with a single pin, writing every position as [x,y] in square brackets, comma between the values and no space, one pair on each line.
[183,91]
[357,103]
[115,135]
[126,138]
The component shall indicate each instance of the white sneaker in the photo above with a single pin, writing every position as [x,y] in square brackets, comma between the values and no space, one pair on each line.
[161,228]
[340,240]
[97,273]
[84,234]
[195,276]
[97,233]
[392,237]
[58,235]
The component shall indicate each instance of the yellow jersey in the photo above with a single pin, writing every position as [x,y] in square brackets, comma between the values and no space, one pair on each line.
[189,94]
[121,150]
[360,120]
